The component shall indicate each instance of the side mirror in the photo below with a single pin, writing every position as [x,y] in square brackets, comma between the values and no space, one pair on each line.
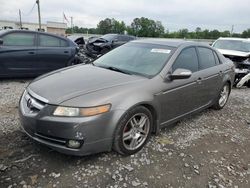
[1,41]
[180,74]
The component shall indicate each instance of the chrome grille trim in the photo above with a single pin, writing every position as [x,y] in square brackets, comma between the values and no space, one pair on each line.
[37,96]
[35,103]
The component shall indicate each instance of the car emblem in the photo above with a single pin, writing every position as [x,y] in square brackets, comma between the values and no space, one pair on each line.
[29,103]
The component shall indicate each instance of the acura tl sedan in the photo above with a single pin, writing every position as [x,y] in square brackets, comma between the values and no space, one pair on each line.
[124,96]
[32,53]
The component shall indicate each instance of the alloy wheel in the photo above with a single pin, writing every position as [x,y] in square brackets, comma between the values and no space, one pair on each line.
[224,95]
[136,131]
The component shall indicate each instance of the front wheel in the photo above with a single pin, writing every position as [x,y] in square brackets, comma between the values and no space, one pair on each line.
[223,97]
[133,131]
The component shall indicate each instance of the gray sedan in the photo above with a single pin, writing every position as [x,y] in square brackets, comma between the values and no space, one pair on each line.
[124,96]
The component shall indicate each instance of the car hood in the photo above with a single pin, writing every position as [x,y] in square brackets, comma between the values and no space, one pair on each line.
[69,83]
[234,53]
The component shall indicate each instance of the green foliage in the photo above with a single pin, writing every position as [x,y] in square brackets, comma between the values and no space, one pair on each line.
[77,29]
[144,27]
[246,33]
[111,26]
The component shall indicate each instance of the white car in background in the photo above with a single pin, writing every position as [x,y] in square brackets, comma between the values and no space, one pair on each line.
[238,50]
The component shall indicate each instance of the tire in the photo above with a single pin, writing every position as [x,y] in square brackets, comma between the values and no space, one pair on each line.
[133,131]
[222,97]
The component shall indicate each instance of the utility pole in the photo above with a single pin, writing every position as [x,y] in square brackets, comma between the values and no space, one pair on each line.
[20,19]
[232,30]
[39,14]
[71,18]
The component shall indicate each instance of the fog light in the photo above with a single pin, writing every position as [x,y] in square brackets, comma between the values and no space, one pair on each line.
[73,144]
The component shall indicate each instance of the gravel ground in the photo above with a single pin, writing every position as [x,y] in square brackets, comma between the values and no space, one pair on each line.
[210,149]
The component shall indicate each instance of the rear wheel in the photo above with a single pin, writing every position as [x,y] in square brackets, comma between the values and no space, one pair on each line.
[133,131]
[223,97]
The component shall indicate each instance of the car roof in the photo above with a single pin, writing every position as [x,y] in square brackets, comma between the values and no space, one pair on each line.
[234,38]
[170,42]
[29,31]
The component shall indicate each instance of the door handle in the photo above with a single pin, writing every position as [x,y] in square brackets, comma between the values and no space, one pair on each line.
[31,53]
[199,80]
[66,52]
[220,73]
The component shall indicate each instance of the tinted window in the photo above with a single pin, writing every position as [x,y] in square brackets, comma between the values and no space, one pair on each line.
[109,37]
[19,39]
[216,58]
[206,58]
[187,60]
[50,41]
[122,38]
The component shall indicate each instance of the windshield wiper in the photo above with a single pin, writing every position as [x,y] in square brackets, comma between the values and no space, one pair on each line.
[117,69]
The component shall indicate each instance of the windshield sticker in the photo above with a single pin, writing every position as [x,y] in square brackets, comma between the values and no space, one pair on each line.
[157,50]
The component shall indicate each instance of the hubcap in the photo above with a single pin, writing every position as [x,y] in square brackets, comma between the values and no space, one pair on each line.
[224,95]
[136,131]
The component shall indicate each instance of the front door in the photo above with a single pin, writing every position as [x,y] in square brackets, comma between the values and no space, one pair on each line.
[180,97]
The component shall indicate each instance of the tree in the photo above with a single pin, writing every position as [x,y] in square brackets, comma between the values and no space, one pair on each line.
[111,26]
[246,33]
[144,27]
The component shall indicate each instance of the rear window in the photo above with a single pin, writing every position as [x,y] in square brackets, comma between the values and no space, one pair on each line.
[51,41]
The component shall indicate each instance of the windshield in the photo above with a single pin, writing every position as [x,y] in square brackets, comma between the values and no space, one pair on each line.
[233,45]
[137,58]
[109,37]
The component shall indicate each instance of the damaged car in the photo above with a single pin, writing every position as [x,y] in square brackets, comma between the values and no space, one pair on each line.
[101,45]
[124,96]
[237,50]
[79,40]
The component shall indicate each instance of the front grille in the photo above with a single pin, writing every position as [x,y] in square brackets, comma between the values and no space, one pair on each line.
[33,104]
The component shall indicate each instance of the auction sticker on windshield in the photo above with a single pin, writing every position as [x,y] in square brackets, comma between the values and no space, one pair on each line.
[157,50]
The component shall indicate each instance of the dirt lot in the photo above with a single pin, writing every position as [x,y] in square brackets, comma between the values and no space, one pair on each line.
[210,149]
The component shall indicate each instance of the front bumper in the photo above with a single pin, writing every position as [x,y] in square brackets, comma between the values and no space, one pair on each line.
[95,133]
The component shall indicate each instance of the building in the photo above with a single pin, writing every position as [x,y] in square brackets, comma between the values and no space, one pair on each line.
[51,27]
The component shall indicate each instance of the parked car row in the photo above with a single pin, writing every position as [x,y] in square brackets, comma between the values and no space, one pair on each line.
[121,98]
[31,53]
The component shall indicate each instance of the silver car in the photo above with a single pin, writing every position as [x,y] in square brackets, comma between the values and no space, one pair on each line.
[124,96]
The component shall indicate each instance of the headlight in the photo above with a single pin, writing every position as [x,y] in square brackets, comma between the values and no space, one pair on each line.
[74,112]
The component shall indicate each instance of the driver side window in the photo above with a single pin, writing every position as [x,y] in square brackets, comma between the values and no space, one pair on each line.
[187,59]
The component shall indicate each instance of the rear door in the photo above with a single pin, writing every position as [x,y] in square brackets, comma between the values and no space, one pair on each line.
[52,52]
[18,54]
[210,79]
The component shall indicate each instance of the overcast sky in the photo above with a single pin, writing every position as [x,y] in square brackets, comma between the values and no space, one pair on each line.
[174,14]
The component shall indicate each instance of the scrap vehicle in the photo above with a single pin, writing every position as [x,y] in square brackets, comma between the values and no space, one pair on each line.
[124,96]
[95,47]
[31,53]
[237,50]
[78,39]
[101,45]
